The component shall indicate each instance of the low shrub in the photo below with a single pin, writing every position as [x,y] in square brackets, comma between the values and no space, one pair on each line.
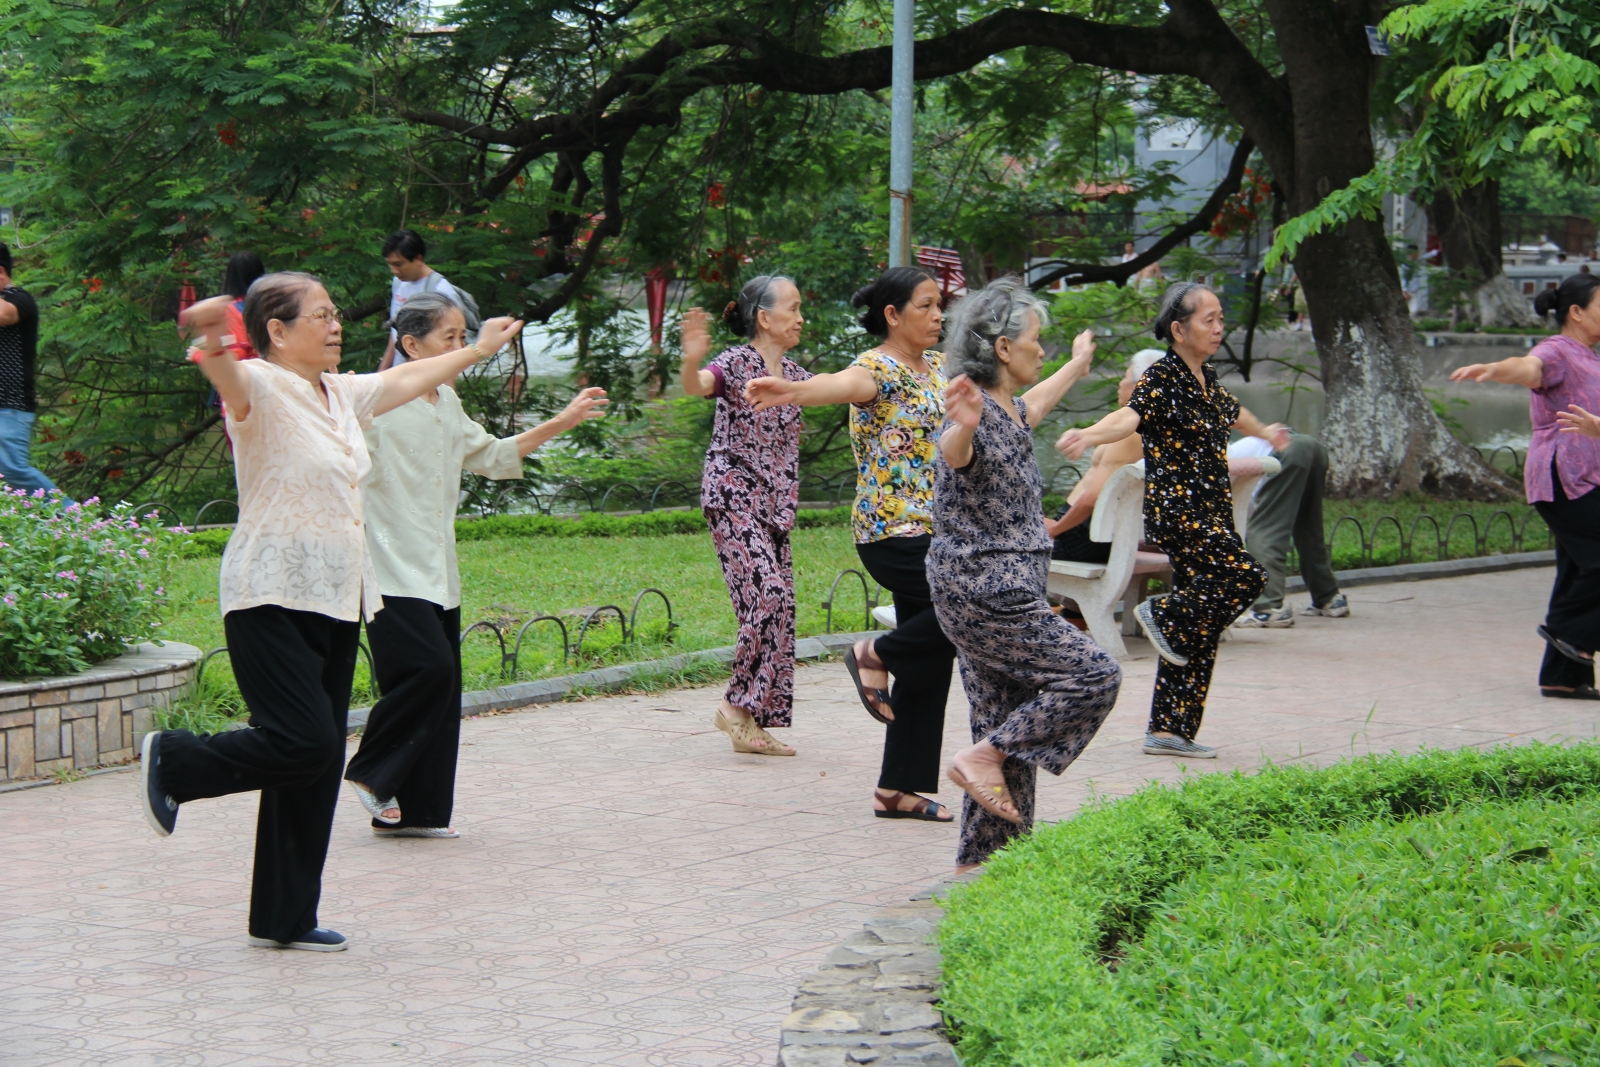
[77,584]
[1026,947]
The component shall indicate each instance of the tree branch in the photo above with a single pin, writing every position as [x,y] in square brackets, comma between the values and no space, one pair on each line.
[1084,273]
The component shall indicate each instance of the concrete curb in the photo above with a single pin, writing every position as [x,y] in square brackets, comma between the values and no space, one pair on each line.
[1447,568]
[550,690]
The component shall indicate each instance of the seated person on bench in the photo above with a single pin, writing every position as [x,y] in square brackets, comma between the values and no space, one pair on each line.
[1071,528]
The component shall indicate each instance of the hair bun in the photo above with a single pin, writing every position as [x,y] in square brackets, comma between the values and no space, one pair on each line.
[1546,301]
[732,319]
[863,295]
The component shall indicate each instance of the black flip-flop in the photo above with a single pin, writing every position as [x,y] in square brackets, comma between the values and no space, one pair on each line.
[1569,651]
[1582,692]
[854,667]
[927,811]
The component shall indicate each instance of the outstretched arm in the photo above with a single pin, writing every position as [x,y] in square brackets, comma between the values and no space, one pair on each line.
[588,404]
[405,383]
[696,343]
[1526,371]
[853,385]
[208,321]
[1114,427]
[1276,434]
[1043,397]
[963,409]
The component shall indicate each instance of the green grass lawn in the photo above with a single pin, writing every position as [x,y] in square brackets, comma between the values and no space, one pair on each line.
[514,579]
[1434,910]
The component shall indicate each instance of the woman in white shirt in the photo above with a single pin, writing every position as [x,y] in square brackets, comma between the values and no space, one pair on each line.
[295,581]
[408,749]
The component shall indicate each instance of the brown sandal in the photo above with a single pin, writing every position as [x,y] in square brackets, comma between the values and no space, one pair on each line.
[989,798]
[874,700]
[926,810]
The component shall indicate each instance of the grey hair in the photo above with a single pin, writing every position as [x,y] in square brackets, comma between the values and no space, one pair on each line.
[1143,360]
[420,315]
[1177,305]
[1000,309]
[759,294]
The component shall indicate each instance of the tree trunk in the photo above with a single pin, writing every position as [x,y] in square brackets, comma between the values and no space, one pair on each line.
[1382,434]
[1469,238]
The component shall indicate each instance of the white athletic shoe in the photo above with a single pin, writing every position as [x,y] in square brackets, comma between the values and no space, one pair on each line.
[1267,620]
[1337,608]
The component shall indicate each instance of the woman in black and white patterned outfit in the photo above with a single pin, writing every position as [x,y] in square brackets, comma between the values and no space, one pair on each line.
[1038,688]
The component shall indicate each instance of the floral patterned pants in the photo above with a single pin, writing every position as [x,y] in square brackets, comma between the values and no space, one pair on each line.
[1213,581]
[756,565]
[1038,690]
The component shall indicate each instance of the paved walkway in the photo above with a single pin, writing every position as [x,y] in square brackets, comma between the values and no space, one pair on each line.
[627,890]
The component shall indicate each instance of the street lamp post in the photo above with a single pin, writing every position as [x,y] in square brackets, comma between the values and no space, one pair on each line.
[900,136]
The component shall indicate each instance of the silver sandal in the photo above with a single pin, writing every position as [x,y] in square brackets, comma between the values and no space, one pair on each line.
[374,806]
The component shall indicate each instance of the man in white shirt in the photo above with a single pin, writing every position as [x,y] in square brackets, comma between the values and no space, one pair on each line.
[404,251]
[1288,506]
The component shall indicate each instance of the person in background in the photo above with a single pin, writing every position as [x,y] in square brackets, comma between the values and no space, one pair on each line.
[243,269]
[19,349]
[1038,688]
[295,581]
[896,393]
[1183,413]
[749,493]
[1562,475]
[1070,529]
[1288,506]
[405,252]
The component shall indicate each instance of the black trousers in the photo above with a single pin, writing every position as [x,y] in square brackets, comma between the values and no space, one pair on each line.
[1574,612]
[294,669]
[408,749]
[920,658]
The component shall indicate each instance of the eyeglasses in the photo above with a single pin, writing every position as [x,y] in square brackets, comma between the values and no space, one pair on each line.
[324,318]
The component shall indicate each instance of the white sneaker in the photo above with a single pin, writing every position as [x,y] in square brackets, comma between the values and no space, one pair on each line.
[1281,619]
[1337,608]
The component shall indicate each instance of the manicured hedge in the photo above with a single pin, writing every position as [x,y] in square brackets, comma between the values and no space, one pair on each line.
[1026,947]
[646,524]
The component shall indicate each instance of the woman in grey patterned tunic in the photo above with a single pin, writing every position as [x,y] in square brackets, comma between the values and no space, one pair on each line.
[1038,688]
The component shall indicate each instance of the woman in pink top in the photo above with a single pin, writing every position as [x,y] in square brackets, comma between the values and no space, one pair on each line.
[1562,475]
[295,581]
[749,492]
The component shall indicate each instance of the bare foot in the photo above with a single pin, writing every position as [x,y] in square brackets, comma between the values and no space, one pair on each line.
[978,770]
[881,799]
[965,867]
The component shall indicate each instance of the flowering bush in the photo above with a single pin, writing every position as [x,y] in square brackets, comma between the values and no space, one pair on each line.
[77,583]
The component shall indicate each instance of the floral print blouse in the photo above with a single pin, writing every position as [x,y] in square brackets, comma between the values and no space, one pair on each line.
[1185,431]
[753,463]
[895,440]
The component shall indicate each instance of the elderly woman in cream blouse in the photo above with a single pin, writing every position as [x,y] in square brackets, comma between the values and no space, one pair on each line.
[405,770]
[295,581]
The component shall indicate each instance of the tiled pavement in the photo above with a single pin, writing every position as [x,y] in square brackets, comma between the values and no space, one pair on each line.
[627,890]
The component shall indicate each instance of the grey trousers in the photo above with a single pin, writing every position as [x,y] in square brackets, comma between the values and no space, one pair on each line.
[1289,507]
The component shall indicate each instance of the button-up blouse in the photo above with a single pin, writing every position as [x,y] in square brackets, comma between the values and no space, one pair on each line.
[418,452]
[1571,376]
[1185,432]
[300,542]
[895,439]
[753,463]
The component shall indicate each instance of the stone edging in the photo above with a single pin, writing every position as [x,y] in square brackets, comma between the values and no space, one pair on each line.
[550,690]
[1445,568]
[91,719]
[873,999]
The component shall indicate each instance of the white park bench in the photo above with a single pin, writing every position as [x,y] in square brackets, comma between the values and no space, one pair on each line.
[1118,517]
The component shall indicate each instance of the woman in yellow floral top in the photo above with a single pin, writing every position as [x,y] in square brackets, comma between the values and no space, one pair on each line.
[896,393]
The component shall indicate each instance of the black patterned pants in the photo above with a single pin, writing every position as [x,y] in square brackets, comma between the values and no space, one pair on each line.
[1038,689]
[1213,580]
[758,567]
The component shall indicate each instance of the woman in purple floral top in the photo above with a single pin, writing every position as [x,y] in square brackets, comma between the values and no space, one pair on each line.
[749,492]
[1562,475]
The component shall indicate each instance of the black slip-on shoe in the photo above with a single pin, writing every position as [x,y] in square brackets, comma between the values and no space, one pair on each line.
[160,810]
[1572,652]
[318,940]
[1582,692]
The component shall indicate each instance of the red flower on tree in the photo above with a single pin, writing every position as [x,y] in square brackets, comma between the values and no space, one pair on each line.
[228,133]
[74,457]
[714,194]
[94,284]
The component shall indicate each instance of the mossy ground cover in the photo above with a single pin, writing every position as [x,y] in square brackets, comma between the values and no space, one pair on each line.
[1440,909]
